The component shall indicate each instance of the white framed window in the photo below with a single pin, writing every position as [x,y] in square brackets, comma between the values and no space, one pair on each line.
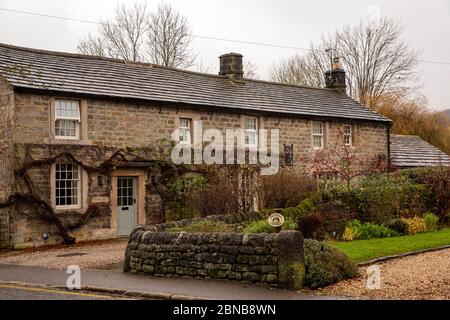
[251,131]
[317,135]
[185,130]
[347,131]
[67,186]
[67,119]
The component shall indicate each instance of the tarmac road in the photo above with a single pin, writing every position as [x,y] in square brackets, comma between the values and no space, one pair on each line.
[19,292]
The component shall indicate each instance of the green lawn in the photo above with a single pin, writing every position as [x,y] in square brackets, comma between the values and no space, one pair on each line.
[365,250]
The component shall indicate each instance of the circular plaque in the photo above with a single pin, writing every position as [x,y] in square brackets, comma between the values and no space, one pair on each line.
[276,220]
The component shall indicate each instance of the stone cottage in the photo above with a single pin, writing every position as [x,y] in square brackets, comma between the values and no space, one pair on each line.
[80,136]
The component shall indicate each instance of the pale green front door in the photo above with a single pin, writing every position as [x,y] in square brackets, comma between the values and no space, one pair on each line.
[126,205]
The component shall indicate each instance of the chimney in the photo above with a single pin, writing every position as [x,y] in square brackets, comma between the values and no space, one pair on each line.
[335,78]
[231,66]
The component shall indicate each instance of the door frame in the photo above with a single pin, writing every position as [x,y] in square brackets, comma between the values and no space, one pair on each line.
[140,174]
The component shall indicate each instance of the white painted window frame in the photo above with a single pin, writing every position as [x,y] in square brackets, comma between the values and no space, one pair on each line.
[251,131]
[348,135]
[315,134]
[79,186]
[188,129]
[77,120]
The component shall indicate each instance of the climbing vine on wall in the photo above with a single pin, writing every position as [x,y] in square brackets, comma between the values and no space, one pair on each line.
[104,166]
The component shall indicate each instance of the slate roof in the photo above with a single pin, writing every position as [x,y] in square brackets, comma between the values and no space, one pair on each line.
[79,74]
[411,151]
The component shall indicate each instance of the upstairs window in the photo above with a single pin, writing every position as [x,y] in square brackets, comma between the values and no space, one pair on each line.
[185,130]
[68,189]
[251,131]
[348,135]
[317,135]
[67,119]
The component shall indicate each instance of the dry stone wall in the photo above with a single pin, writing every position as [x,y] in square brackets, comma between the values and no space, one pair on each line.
[273,259]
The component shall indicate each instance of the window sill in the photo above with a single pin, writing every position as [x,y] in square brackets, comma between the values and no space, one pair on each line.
[68,208]
[67,138]
[70,142]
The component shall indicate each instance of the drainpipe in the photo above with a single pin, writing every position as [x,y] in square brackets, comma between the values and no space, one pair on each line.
[388,128]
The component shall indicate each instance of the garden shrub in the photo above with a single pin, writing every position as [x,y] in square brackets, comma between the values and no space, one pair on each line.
[221,195]
[336,215]
[182,190]
[286,189]
[398,225]
[326,265]
[415,225]
[206,226]
[289,224]
[381,197]
[305,207]
[311,226]
[431,221]
[263,226]
[372,231]
[356,230]
[349,234]
[437,180]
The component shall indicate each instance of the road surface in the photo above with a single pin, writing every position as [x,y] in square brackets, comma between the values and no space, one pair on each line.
[19,292]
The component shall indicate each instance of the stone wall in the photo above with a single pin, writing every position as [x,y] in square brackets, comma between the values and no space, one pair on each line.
[7,159]
[272,259]
[150,125]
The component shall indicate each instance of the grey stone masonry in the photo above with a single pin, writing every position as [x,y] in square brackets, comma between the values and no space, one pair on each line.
[273,259]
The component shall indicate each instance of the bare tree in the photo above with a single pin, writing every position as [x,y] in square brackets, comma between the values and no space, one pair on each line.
[121,37]
[134,34]
[377,61]
[250,70]
[169,38]
[306,70]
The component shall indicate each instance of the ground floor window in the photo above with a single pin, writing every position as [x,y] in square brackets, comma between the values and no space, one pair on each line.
[67,185]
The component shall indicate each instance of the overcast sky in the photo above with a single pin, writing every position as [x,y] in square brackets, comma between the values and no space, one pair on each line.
[283,22]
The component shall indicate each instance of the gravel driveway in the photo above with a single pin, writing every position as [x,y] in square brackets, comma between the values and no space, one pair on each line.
[424,276]
[96,255]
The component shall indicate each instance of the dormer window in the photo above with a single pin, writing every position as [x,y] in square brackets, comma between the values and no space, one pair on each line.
[67,119]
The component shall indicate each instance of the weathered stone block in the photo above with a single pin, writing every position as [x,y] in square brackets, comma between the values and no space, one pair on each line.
[247,250]
[148,269]
[269,269]
[251,276]
[242,259]
[218,273]
[235,275]
[256,259]
[241,268]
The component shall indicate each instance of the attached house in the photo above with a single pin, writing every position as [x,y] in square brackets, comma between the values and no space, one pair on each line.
[74,128]
[412,152]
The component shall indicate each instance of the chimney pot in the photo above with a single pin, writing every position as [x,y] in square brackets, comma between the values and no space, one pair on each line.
[335,78]
[231,66]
